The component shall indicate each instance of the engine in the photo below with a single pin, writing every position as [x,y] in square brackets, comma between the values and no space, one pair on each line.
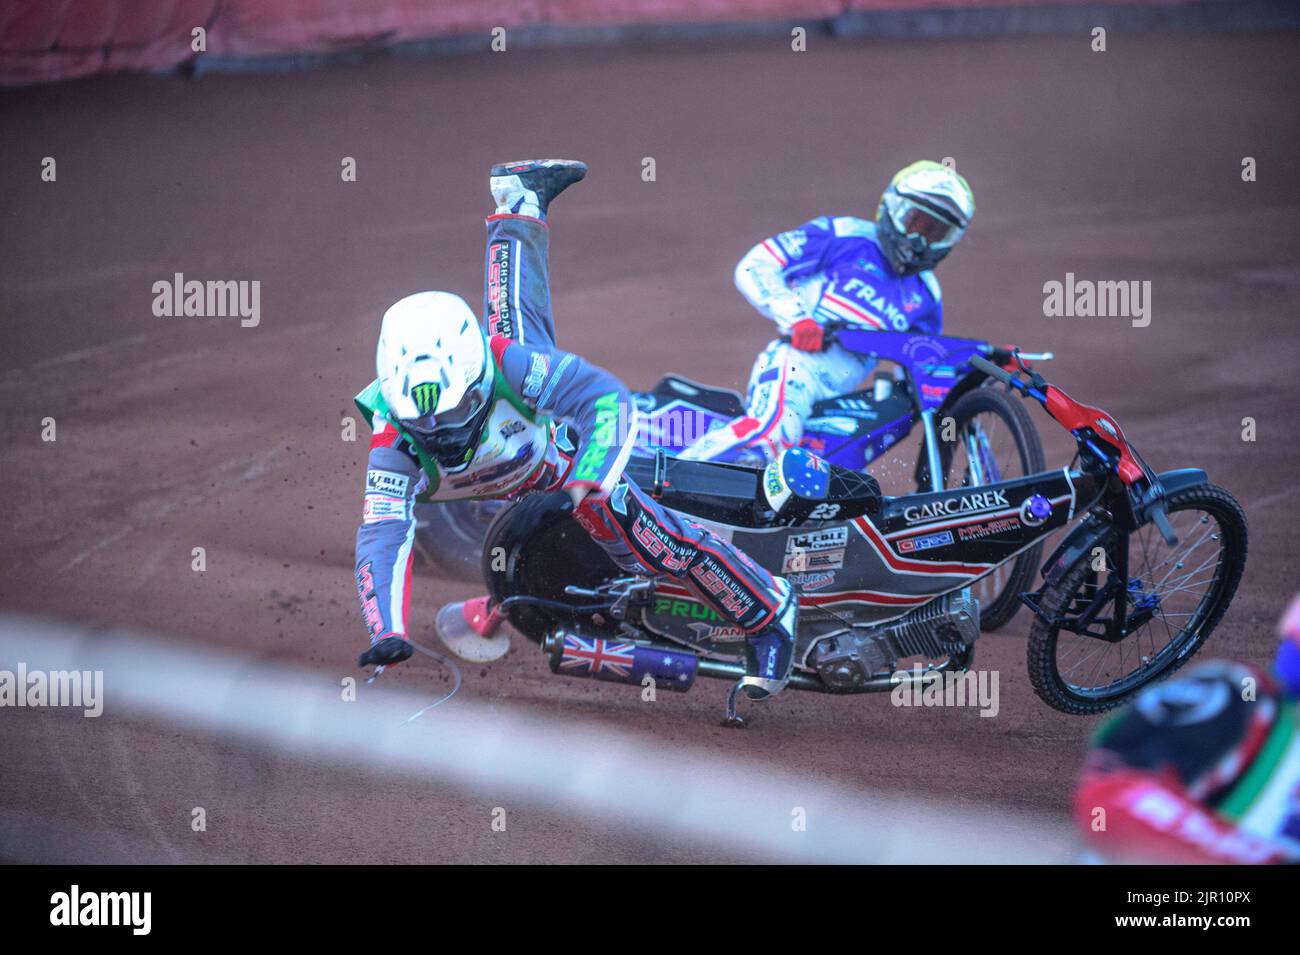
[945,627]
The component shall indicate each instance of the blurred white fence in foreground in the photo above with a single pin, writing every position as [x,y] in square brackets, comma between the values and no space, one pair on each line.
[739,806]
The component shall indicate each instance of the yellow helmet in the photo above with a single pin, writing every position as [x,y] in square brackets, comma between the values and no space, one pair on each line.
[923,213]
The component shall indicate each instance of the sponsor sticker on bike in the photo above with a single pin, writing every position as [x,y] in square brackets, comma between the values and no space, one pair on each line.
[674,607]
[826,539]
[988,528]
[973,503]
[910,545]
[813,581]
[718,634]
[819,550]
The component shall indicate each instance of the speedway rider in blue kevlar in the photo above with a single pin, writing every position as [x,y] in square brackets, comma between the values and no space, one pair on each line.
[458,412]
[874,275]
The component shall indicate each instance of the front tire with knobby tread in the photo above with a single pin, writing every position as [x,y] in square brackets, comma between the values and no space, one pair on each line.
[1041,652]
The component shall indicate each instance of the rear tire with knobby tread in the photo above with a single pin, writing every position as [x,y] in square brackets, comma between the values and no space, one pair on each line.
[998,612]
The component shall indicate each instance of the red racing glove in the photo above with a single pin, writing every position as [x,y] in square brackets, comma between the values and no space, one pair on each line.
[806,335]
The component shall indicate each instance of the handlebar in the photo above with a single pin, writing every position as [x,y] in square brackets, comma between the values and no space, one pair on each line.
[1036,387]
[1088,425]
[993,371]
[831,327]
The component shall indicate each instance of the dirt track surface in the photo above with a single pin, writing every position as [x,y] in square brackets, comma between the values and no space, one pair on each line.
[175,433]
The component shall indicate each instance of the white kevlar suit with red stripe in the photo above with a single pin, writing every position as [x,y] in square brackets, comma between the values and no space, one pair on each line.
[558,422]
[830,269]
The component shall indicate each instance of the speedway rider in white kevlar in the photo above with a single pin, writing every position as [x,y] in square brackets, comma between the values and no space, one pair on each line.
[467,411]
[874,275]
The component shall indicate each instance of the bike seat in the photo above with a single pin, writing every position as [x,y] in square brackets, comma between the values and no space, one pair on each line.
[725,493]
[799,486]
[721,401]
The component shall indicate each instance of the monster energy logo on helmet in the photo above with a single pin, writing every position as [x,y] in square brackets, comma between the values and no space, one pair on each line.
[425,396]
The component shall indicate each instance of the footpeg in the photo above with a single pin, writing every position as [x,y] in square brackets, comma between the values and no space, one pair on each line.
[734,719]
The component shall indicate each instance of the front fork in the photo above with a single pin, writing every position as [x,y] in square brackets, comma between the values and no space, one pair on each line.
[931,449]
[983,467]
[1119,591]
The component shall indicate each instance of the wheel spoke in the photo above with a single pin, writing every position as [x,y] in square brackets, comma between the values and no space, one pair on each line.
[1176,583]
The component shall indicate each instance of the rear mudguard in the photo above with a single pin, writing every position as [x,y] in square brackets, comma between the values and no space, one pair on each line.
[1089,532]
[968,382]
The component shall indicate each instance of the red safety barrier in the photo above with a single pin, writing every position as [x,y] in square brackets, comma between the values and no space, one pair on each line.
[43,40]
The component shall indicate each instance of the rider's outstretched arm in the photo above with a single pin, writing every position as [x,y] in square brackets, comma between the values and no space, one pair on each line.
[386,537]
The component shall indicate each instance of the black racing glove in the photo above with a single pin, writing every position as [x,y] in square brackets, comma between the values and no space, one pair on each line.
[386,651]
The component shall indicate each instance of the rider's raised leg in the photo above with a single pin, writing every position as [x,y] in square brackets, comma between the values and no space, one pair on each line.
[516,270]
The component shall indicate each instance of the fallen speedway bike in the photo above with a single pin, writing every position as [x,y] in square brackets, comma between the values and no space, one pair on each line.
[971,435]
[885,584]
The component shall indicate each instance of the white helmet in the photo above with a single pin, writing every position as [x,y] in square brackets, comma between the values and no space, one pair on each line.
[436,374]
